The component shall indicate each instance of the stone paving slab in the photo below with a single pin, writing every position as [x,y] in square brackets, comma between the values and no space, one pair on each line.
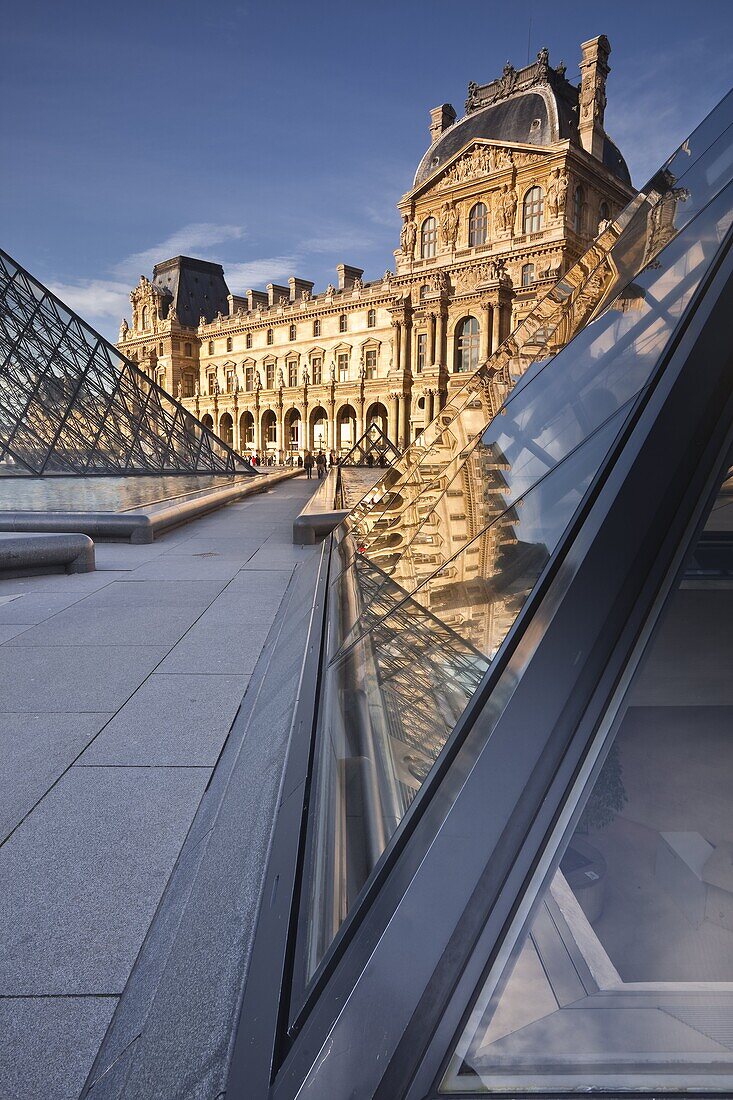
[171,720]
[47,1044]
[158,594]
[73,678]
[82,625]
[8,632]
[35,749]
[213,646]
[81,877]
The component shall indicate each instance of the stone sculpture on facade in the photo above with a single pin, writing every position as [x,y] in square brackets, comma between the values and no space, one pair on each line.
[507,208]
[556,197]
[408,236]
[449,224]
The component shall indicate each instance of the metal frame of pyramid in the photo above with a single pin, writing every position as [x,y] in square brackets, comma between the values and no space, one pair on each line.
[71,404]
[378,444]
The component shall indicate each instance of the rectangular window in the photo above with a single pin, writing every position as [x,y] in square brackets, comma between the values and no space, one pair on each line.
[316,327]
[370,363]
[293,373]
[316,370]
[422,351]
[176,345]
[212,384]
[270,376]
[343,366]
[189,385]
[249,379]
[230,381]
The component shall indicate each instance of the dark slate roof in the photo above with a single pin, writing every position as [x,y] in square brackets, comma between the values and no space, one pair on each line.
[198,288]
[539,116]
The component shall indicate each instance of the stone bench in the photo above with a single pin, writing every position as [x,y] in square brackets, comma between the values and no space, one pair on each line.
[24,553]
[320,515]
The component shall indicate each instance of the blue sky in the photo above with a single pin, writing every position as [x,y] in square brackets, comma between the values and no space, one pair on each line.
[277,138]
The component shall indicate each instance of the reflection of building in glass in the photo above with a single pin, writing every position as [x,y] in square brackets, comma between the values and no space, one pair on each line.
[504,201]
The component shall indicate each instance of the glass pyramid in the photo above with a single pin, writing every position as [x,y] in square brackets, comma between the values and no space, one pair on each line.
[71,404]
[373,448]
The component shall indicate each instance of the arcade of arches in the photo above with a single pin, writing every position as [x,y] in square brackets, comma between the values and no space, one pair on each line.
[504,201]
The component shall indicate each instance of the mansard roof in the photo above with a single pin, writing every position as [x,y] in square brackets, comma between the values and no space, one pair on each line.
[531,106]
[197,287]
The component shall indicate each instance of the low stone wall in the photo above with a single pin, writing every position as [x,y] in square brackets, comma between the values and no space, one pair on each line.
[25,554]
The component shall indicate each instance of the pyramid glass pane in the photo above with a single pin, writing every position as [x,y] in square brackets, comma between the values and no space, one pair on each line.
[70,403]
[623,978]
[429,575]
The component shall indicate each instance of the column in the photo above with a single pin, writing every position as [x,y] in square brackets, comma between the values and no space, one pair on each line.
[430,405]
[406,402]
[331,433]
[431,339]
[397,364]
[360,416]
[407,349]
[280,444]
[496,334]
[440,339]
[485,348]
[258,429]
[236,441]
[394,418]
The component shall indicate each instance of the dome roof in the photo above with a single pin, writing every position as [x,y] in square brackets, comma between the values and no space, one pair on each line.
[540,115]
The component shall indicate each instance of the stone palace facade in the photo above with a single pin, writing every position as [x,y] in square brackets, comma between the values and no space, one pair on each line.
[503,202]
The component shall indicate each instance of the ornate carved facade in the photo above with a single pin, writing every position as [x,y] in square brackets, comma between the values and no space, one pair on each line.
[503,202]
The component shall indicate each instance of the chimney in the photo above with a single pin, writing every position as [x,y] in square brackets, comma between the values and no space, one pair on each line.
[297,286]
[347,275]
[256,298]
[275,292]
[592,101]
[440,119]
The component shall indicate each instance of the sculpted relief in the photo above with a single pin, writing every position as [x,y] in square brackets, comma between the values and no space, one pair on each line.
[482,161]
[557,193]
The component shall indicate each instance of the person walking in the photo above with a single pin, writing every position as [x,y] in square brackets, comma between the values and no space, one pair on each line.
[320,464]
[308,463]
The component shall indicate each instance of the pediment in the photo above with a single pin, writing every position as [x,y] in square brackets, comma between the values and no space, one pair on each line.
[481,159]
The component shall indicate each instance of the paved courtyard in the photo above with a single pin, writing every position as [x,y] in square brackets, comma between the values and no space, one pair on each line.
[117,692]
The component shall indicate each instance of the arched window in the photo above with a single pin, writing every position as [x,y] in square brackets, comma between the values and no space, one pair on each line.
[211,347]
[478,225]
[145,316]
[342,323]
[248,340]
[578,199]
[316,327]
[533,211]
[428,238]
[229,343]
[270,336]
[371,318]
[293,332]
[249,379]
[467,345]
[604,216]
[527,274]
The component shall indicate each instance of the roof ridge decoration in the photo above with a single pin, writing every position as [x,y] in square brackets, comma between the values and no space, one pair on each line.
[71,404]
[518,80]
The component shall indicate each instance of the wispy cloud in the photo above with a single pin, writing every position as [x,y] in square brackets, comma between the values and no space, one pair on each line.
[196,239]
[257,273]
[345,242]
[96,300]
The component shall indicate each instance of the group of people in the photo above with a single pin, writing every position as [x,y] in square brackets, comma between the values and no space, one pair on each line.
[319,461]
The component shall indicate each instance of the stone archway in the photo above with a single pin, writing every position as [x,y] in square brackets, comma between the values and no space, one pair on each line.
[208,421]
[226,429]
[246,431]
[269,433]
[377,414]
[318,429]
[345,428]
[294,441]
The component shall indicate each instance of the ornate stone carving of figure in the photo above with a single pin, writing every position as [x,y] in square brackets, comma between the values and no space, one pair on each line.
[306,376]
[217,389]
[472,97]
[498,270]
[179,391]
[280,378]
[305,296]
[283,300]
[552,197]
[504,158]
[197,389]
[333,370]
[507,80]
[258,382]
[202,320]
[441,282]
[358,284]
[542,69]
[449,224]
[408,236]
[172,312]
[507,207]
[330,290]
[124,329]
[387,278]
[562,192]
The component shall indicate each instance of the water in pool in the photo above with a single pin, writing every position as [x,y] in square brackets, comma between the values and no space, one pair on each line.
[100,494]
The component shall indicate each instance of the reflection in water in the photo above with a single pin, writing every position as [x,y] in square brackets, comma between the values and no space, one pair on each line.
[100,494]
